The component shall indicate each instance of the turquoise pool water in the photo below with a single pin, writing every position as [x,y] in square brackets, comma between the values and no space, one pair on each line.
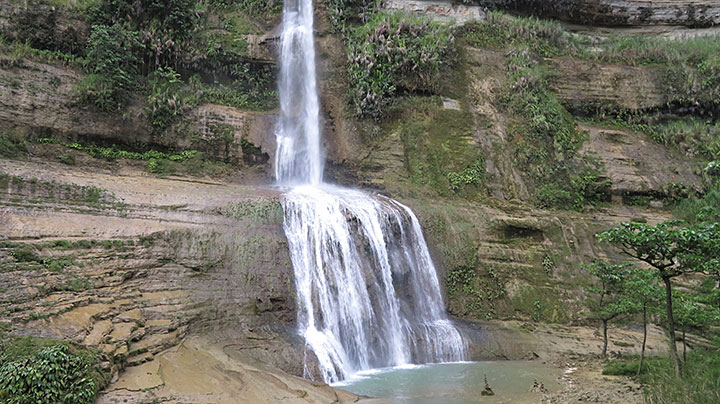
[455,383]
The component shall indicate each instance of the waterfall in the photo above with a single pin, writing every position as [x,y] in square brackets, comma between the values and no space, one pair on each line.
[368,295]
[297,157]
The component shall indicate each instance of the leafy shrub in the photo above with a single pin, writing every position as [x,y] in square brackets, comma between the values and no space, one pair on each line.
[26,253]
[693,136]
[251,7]
[68,159]
[394,52]
[164,24]
[169,98]
[551,196]
[695,210]
[37,25]
[55,375]
[112,153]
[473,175]
[111,64]
[568,191]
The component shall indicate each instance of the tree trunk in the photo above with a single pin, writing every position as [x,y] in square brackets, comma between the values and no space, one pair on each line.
[642,351]
[671,327]
[605,339]
[684,344]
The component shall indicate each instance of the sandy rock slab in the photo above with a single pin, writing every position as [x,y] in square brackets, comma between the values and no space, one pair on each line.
[198,371]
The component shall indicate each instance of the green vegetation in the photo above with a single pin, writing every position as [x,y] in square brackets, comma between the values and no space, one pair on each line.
[15,53]
[165,26]
[606,302]
[700,382]
[129,41]
[691,69]
[703,209]
[26,257]
[40,26]
[261,211]
[671,251]
[631,366]
[438,147]
[10,146]
[622,292]
[46,371]
[395,53]
[472,175]
[169,99]
[111,65]
[252,7]
[50,189]
[547,38]
[113,153]
[346,13]
[546,139]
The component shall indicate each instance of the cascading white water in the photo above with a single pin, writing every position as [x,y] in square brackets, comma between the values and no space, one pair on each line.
[297,157]
[367,290]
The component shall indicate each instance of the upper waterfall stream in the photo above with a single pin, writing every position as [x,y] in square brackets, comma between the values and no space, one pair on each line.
[368,295]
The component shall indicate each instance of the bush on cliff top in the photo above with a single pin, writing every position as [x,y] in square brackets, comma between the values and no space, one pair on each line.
[112,66]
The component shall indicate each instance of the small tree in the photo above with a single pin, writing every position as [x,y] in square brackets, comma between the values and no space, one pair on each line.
[671,251]
[690,312]
[607,304]
[641,294]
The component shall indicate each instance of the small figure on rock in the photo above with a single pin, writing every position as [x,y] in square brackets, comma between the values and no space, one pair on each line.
[535,387]
[487,391]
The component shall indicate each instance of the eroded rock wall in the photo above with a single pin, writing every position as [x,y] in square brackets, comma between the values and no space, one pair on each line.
[694,13]
[136,270]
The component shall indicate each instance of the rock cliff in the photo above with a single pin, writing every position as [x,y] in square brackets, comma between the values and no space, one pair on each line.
[182,279]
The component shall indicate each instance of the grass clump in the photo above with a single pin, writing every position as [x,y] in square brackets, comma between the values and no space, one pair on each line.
[169,98]
[261,211]
[700,382]
[630,366]
[694,137]
[395,53]
[546,37]
[10,146]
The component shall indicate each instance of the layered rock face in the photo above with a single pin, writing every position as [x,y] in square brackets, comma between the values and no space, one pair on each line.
[693,13]
[39,99]
[131,265]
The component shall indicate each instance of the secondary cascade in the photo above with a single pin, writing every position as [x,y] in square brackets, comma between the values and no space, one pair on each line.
[367,291]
